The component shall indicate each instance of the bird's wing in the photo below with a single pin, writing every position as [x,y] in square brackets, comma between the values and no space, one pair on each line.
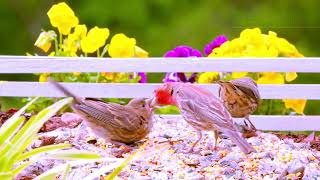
[205,109]
[111,114]
[248,86]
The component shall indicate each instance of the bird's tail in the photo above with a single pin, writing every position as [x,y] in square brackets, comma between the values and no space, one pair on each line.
[240,142]
[64,90]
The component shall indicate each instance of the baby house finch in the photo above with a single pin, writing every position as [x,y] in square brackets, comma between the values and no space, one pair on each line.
[113,122]
[202,110]
[241,97]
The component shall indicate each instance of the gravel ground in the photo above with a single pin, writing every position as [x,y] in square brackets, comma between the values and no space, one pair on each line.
[164,157]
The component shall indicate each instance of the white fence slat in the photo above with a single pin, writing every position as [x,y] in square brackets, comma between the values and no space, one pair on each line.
[276,123]
[40,64]
[127,90]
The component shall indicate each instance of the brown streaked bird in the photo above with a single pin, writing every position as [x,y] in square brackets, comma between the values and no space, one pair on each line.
[241,97]
[202,110]
[113,122]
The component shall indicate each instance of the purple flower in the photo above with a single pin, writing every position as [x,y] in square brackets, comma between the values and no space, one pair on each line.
[217,42]
[143,78]
[181,51]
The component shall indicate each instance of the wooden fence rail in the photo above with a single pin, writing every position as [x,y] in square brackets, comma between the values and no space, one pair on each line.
[38,64]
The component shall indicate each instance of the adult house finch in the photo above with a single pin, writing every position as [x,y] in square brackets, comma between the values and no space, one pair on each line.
[241,97]
[202,110]
[115,123]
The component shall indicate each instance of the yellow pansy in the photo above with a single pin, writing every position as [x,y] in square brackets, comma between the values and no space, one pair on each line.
[77,74]
[62,17]
[141,53]
[121,46]
[44,77]
[208,77]
[107,75]
[95,39]
[44,40]
[70,46]
[271,78]
[252,43]
[236,75]
[290,76]
[297,105]
[80,31]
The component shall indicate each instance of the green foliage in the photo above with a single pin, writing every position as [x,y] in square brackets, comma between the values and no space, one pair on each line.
[15,137]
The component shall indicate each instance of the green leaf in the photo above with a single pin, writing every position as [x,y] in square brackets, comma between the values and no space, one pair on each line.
[65,172]
[74,154]
[33,126]
[125,163]
[42,150]
[105,49]
[21,167]
[12,123]
[6,176]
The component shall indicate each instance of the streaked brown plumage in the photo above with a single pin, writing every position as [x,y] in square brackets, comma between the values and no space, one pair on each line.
[114,122]
[202,110]
[241,97]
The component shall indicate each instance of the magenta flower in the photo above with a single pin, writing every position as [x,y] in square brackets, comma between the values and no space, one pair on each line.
[217,42]
[143,77]
[181,51]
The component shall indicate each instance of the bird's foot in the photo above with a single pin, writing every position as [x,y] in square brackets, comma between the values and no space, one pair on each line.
[190,151]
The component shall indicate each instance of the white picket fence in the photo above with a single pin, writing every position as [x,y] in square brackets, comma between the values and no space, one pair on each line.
[37,64]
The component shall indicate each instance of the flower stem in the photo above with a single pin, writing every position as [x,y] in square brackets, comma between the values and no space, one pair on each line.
[56,45]
[60,39]
[98,77]
[98,53]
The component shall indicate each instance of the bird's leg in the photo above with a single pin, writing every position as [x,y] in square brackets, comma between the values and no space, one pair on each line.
[195,143]
[120,144]
[77,135]
[250,125]
[216,136]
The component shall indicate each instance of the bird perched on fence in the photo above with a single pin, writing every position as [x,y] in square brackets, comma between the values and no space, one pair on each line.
[202,110]
[115,123]
[241,97]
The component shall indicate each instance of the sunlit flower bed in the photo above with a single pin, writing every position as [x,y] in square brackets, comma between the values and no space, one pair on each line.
[70,38]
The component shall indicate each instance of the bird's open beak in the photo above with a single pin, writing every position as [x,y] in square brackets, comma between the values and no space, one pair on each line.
[153,102]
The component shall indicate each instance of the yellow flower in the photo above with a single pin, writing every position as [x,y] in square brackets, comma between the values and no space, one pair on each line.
[297,105]
[121,46]
[44,77]
[271,78]
[107,75]
[290,76]
[208,77]
[62,17]
[44,40]
[77,74]
[139,52]
[80,31]
[70,46]
[252,43]
[236,75]
[95,39]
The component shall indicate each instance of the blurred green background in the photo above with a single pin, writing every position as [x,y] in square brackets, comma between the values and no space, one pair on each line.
[160,25]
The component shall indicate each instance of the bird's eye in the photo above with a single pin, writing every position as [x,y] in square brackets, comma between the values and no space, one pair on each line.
[143,105]
[171,92]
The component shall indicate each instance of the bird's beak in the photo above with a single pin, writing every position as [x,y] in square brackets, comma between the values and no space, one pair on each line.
[153,102]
